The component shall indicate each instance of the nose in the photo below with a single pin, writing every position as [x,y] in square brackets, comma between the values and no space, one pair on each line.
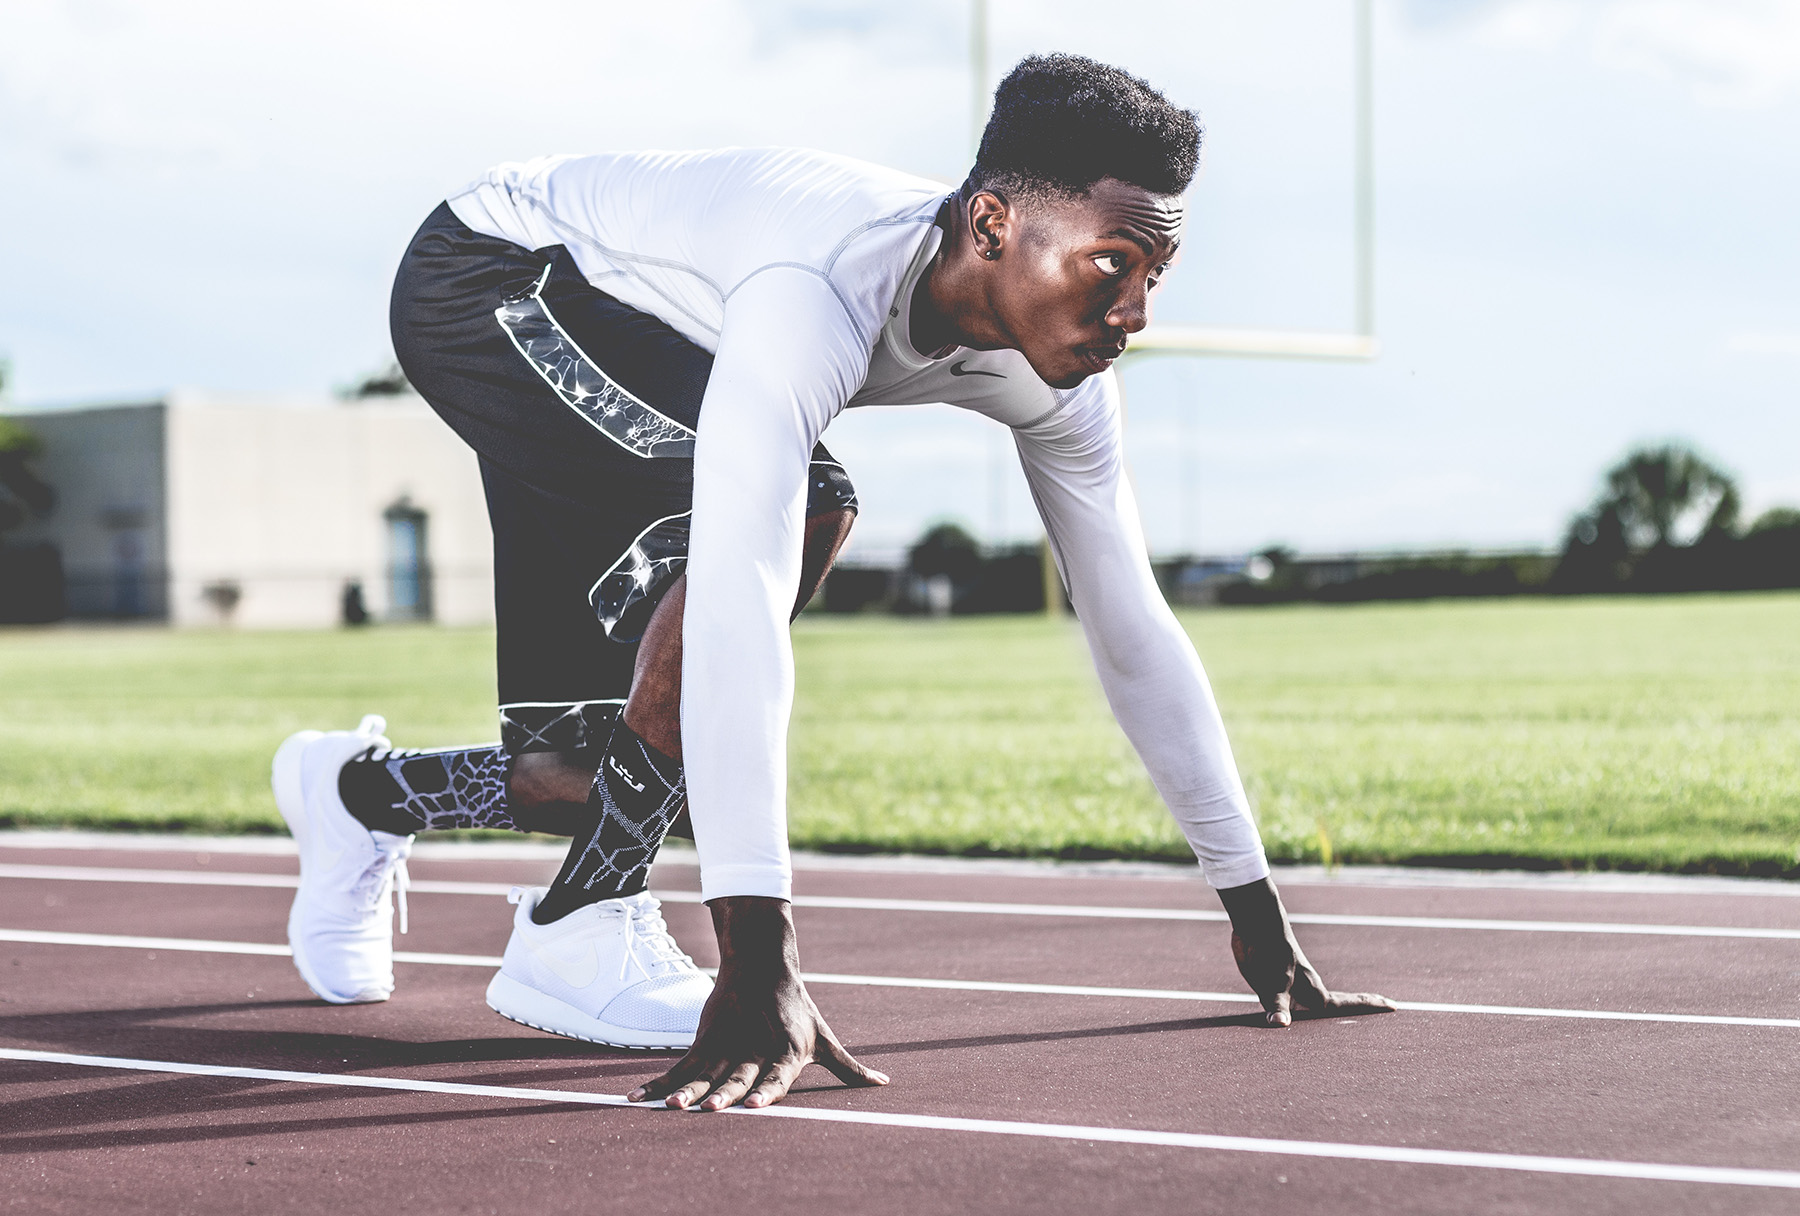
[1131,311]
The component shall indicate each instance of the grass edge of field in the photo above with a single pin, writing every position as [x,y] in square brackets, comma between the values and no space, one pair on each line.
[1721,854]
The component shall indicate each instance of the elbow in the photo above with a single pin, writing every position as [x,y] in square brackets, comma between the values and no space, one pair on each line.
[1143,640]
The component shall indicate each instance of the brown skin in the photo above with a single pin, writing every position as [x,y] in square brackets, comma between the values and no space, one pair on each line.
[654,708]
[760,1026]
[1272,963]
[1063,281]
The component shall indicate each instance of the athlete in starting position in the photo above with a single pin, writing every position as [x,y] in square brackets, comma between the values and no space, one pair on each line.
[644,350]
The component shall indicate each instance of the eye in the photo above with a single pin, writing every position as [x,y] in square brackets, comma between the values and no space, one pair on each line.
[1111,264]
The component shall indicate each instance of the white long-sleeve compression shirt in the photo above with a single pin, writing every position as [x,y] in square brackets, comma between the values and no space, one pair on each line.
[796,270]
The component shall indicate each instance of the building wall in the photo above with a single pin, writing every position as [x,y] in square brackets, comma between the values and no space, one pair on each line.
[274,509]
[109,519]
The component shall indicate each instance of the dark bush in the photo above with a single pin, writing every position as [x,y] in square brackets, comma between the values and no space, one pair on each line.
[1008,581]
[1769,554]
[858,589]
[31,585]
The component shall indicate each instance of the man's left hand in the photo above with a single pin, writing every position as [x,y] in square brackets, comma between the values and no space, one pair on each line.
[1270,959]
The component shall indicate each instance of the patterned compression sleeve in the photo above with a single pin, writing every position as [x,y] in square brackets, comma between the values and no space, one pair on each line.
[636,796]
[404,791]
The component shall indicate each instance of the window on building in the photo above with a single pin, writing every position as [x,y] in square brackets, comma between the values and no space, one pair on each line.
[130,558]
[409,563]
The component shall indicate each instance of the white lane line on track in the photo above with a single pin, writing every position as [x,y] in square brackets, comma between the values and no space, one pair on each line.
[208,878]
[200,945]
[46,937]
[1389,1154]
[175,878]
[678,853]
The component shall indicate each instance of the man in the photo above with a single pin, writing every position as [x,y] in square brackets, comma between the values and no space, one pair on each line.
[644,350]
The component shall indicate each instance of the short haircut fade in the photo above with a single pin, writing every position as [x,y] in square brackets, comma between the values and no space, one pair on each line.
[1063,122]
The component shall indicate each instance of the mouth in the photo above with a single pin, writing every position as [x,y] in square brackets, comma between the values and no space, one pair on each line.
[1098,358]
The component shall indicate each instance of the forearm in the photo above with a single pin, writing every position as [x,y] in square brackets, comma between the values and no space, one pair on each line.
[1161,697]
[1153,679]
[1147,666]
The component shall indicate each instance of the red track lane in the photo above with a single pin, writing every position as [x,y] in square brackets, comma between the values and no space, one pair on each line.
[81,1139]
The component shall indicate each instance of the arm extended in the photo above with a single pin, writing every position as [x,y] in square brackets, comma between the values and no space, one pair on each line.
[786,363]
[1159,692]
[1148,667]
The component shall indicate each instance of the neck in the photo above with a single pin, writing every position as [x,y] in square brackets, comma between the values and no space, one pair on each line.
[950,306]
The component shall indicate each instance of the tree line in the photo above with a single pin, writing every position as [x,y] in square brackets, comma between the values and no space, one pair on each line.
[1669,520]
[1666,519]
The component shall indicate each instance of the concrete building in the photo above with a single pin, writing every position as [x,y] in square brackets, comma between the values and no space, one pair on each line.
[213,510]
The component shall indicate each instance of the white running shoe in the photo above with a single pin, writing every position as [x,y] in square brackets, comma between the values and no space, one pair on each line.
[608,973]
[341,926]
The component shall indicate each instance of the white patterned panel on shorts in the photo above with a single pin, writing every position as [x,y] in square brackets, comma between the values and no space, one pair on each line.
[638,428]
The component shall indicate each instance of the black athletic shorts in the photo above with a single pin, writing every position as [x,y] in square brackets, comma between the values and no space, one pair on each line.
[582,410]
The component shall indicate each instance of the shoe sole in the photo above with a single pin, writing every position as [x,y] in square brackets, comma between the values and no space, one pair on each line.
[372,996]
[528,1007]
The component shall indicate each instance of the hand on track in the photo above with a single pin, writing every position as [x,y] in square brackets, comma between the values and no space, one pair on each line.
[1271,961]
[760,1026]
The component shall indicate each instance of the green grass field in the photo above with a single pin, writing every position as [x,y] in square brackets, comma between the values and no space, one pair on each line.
[1660,733]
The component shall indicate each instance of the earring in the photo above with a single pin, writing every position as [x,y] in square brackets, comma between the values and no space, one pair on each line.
[991,254]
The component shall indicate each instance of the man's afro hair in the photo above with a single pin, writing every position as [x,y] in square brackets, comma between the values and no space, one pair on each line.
[1063,122]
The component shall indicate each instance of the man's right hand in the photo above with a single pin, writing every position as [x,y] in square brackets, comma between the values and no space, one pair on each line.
[759,1027]
[1270,959]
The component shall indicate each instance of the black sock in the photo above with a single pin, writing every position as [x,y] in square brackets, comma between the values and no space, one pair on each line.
[637,794]
[405,791]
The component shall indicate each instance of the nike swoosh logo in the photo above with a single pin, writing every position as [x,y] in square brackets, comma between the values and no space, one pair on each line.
[576,973]
[958,369]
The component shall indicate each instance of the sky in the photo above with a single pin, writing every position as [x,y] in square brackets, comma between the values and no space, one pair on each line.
[1586,223]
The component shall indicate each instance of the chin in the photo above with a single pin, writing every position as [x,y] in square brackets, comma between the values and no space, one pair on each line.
[1063,373]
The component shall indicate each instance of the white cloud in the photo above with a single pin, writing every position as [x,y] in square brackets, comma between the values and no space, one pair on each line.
[207,191]
[1539,25]
[1764,344]
[1729,52]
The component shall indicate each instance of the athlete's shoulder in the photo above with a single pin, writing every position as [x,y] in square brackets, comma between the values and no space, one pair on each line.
[853,224]
[827,172]
[731,178]
[680,233]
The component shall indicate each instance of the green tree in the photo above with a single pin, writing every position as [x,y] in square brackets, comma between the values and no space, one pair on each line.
[1775,519]
[1662,493]
[1665,520]
[22,493]
[946,549]
[390,381]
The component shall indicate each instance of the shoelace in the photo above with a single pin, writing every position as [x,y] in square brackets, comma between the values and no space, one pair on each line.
[387,872]
[645,924]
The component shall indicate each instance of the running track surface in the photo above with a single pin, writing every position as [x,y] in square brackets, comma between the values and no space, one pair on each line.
[158,1053]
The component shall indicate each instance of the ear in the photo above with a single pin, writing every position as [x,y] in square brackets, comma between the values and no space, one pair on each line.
[991,224]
